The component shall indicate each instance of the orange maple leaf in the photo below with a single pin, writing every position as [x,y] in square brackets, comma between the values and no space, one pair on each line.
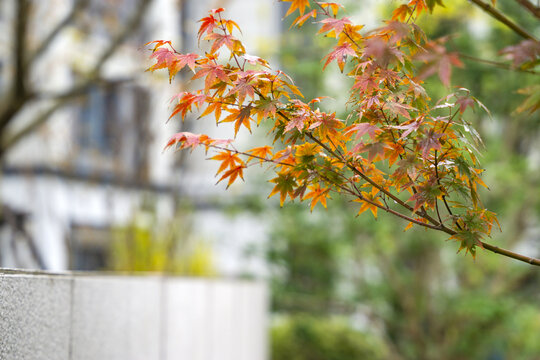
[317,194]
[297,4]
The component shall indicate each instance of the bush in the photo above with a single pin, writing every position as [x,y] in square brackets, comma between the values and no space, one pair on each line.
[304,337]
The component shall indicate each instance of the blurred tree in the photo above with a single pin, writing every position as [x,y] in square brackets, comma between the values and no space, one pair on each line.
[28,97]
[406,286]
[19,90]
[313,338]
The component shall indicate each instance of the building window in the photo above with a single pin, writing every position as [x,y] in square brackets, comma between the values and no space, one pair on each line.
[112,133]
[89,247]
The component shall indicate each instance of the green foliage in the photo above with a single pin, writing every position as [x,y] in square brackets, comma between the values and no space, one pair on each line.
[316,338]
[151,245]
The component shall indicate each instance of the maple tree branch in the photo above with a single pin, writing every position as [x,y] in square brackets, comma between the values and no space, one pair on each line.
[497,64]
[440,185]
[327,13]
[495,13]
[379,187]
[359,195]
[510,254]
[533,9]
[415,191]
[249,155]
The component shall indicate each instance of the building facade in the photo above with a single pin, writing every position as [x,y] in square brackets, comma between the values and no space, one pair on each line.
[97,159]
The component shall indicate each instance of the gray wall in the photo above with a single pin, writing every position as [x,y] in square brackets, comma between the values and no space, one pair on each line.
[79,316]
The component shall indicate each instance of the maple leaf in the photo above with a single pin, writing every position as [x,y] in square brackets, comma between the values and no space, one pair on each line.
[430,141]
[173,61]
[298,120]
[365,83]
[426,195]
[532,102]
[164,58]
[375,150]
[340,55]
[285,184]
[297,4]
[299,21]
[181,61]
[316,195]
[438,60]
[240,117]
[399,109]
[158,44]
[381,51]
[228,160]
[464,102]
[431,4]
[409,128]
[401,13]
[186,102]
[186,139]
[369,205]
[260,153]
[419,5]
[212,72]
[408,166]
[468,240]
[363,128]
[334,7]
[264,108]
[333,26]
[254,60]
[306,153]
[327,125]
[209,23]
[233,174]
[242,87]
[393,152]
[221,39]
[526,54]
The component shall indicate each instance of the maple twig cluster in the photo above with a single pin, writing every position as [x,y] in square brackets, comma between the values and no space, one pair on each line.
[396,151]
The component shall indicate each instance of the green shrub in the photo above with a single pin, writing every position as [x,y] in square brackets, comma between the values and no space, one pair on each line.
[304,337]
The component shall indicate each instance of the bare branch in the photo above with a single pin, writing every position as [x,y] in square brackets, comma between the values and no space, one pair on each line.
[78,89]
[21,28]
[533,9]
[128,30]
[77,7]
[498,64]
[495,13]
[32,126]
[17,96]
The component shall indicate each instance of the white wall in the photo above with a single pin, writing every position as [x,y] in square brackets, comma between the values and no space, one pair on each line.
[80,316]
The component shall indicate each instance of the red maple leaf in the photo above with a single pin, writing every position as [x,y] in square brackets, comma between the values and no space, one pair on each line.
[430,141]
[340,55]
[335,26]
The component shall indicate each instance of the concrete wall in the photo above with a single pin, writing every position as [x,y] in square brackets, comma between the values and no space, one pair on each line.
[78,316]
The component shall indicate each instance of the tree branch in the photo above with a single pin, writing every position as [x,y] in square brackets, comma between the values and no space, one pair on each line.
[78,89]
[128,30]
[76,8]
[495,13]
[498,64]
[17,96]
[533,9]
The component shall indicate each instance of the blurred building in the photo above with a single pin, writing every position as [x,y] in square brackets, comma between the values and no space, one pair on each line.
[98,158]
